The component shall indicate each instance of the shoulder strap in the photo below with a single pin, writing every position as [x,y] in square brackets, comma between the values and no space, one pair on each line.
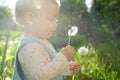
[18,66]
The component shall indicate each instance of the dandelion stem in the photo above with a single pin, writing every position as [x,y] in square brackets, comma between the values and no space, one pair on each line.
[73,78]
[69,40]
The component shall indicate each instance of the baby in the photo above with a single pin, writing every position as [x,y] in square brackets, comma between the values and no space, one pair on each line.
[36,58]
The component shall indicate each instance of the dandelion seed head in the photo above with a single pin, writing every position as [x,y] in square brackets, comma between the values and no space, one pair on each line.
[83,50]
[73,31]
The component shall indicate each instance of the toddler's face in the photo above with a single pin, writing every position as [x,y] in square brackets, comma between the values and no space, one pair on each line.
[46,20]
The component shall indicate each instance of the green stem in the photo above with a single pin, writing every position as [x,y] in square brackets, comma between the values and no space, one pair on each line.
[73,78]
[69,40]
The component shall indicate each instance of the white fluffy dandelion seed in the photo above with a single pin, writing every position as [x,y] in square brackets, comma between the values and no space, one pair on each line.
[73,31]
[83,50]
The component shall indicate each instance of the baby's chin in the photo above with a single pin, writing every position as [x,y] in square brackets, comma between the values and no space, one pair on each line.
[50,35]
[47,36]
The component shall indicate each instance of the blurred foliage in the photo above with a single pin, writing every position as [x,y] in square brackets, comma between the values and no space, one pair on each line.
[109,54]
[10,53]
[5,12]
[5,15]
[107,13]
[6,21]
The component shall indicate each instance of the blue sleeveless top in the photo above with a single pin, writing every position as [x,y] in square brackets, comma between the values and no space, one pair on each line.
[18,72]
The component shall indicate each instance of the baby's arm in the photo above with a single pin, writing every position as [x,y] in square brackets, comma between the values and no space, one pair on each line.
[72,68]
[67,71]
[36,62]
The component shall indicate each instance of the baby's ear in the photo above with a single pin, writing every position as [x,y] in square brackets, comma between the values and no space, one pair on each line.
[29,17]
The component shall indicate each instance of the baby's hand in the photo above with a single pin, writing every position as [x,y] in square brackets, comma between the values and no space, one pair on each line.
[68,52]
[74,67]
